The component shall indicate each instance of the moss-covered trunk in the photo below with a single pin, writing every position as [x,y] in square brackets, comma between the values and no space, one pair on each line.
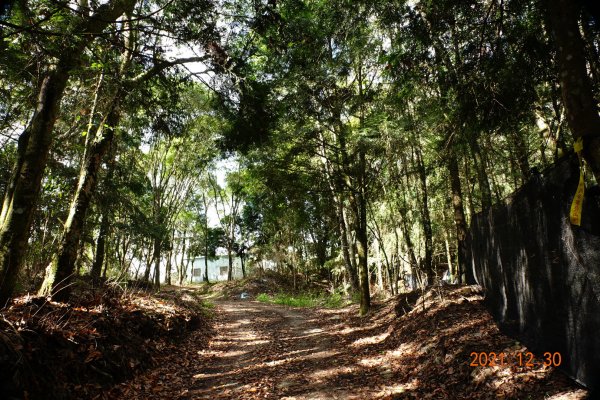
[34,144]
[57,281]
[24,187]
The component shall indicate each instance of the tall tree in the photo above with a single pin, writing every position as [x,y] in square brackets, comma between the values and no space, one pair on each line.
[35,141]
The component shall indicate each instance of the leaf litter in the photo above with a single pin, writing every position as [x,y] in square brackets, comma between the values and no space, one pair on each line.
[107,344]
[104,336]
[408,347]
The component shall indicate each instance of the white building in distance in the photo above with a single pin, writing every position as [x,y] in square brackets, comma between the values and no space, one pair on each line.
[217,268]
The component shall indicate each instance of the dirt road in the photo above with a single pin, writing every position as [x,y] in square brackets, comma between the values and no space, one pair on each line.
[264,351]
[272,351]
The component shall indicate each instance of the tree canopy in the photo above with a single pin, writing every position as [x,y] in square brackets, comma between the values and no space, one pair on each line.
[364,134]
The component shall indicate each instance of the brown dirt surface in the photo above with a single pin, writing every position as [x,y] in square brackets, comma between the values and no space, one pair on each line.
[405,349]
[105,335]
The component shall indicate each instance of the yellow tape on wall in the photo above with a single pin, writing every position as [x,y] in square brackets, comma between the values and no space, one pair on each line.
[577,205]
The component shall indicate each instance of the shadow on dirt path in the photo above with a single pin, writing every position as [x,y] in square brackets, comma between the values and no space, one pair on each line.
[266,351]
[259,351]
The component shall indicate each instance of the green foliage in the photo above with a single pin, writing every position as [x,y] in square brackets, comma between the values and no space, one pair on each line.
[7,159]
[335,300]
[319,104]
[263,297]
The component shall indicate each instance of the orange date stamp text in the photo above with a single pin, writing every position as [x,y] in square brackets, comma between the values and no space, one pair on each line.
[518,359]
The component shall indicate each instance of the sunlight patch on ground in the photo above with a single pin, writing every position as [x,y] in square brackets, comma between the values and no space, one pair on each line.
[579,394]
[371,361]
[233,353]
[295,353]
[239,323]
[312,355]
[402,351]
[254,342]
[238,310]
[332,372]
[424,349]
[248,343]
[494,375]
[371,339]
[204,376]
[464,327]
[304,336]
[320,354]
[384,359]
[391,390]
[332,311]
[349,330]
[275,363]
[310,331]
[499,377]
[189,298]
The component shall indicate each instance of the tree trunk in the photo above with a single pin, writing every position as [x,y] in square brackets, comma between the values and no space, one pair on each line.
[381,248]
[156,256]
[169,260]
[104,270]
[206,239]
[362,239]
[230,260]
[352,238]
[469,189]
[182,266]
[379,270]
[149,260]
[123,264]
[410,248]
[243,265]
[521,156]
[395,272]
[23,189]
[459,221]
[449,257]
[404,227]
[34,145]
[576,86]
[187,265]
[482,177]
[335,185]
[168,268]
[57,280]
[451,270]
[206,267]
[427,231]
[100,246]
[343,229]
[362,244]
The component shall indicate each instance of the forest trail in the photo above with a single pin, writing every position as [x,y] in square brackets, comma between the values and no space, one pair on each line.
[270,350]
[263,351]
[267,351]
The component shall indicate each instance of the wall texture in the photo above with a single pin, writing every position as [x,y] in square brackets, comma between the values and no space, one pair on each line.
[541,275]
